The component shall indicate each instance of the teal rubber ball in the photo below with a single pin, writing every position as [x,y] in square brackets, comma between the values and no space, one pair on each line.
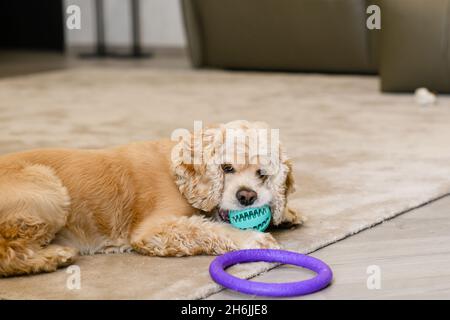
[251,218]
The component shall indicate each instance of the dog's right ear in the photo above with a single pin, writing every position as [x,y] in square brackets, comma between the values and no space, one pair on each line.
[197,174]
[290,180]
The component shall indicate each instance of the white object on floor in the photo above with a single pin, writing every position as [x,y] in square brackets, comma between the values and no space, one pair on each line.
[424,97]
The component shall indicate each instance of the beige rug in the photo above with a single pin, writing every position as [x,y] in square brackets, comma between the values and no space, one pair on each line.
[361,157]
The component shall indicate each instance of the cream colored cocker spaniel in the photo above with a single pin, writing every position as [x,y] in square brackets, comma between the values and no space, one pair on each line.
[143,197]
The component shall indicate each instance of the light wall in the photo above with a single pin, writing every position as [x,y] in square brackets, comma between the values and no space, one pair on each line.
[161,23]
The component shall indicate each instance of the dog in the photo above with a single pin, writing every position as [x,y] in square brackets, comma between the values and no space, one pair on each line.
[58,203]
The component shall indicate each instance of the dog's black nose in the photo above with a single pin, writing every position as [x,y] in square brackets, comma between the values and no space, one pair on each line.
[246,197]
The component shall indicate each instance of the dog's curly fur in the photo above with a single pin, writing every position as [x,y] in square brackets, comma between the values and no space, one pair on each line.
[56,203]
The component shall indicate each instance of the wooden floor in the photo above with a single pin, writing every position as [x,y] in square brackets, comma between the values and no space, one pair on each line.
[411,251]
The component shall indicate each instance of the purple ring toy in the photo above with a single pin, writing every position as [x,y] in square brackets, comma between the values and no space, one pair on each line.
[288,289]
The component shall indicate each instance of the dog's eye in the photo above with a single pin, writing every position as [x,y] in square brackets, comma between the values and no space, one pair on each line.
[227,168]
[261,173]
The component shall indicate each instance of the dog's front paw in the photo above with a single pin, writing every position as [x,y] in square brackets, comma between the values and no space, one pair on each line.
[63,256]
[258,240]
[291,218]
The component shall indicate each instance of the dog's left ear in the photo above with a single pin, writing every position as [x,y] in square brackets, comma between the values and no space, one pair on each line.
[290,180]
[284,186]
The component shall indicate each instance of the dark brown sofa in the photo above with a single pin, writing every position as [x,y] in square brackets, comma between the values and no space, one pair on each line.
[296,35]
[415,45]
[411,50]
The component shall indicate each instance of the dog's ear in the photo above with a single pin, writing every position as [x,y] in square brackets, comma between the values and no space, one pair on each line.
[284,184]
[290,180]
[197,172]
